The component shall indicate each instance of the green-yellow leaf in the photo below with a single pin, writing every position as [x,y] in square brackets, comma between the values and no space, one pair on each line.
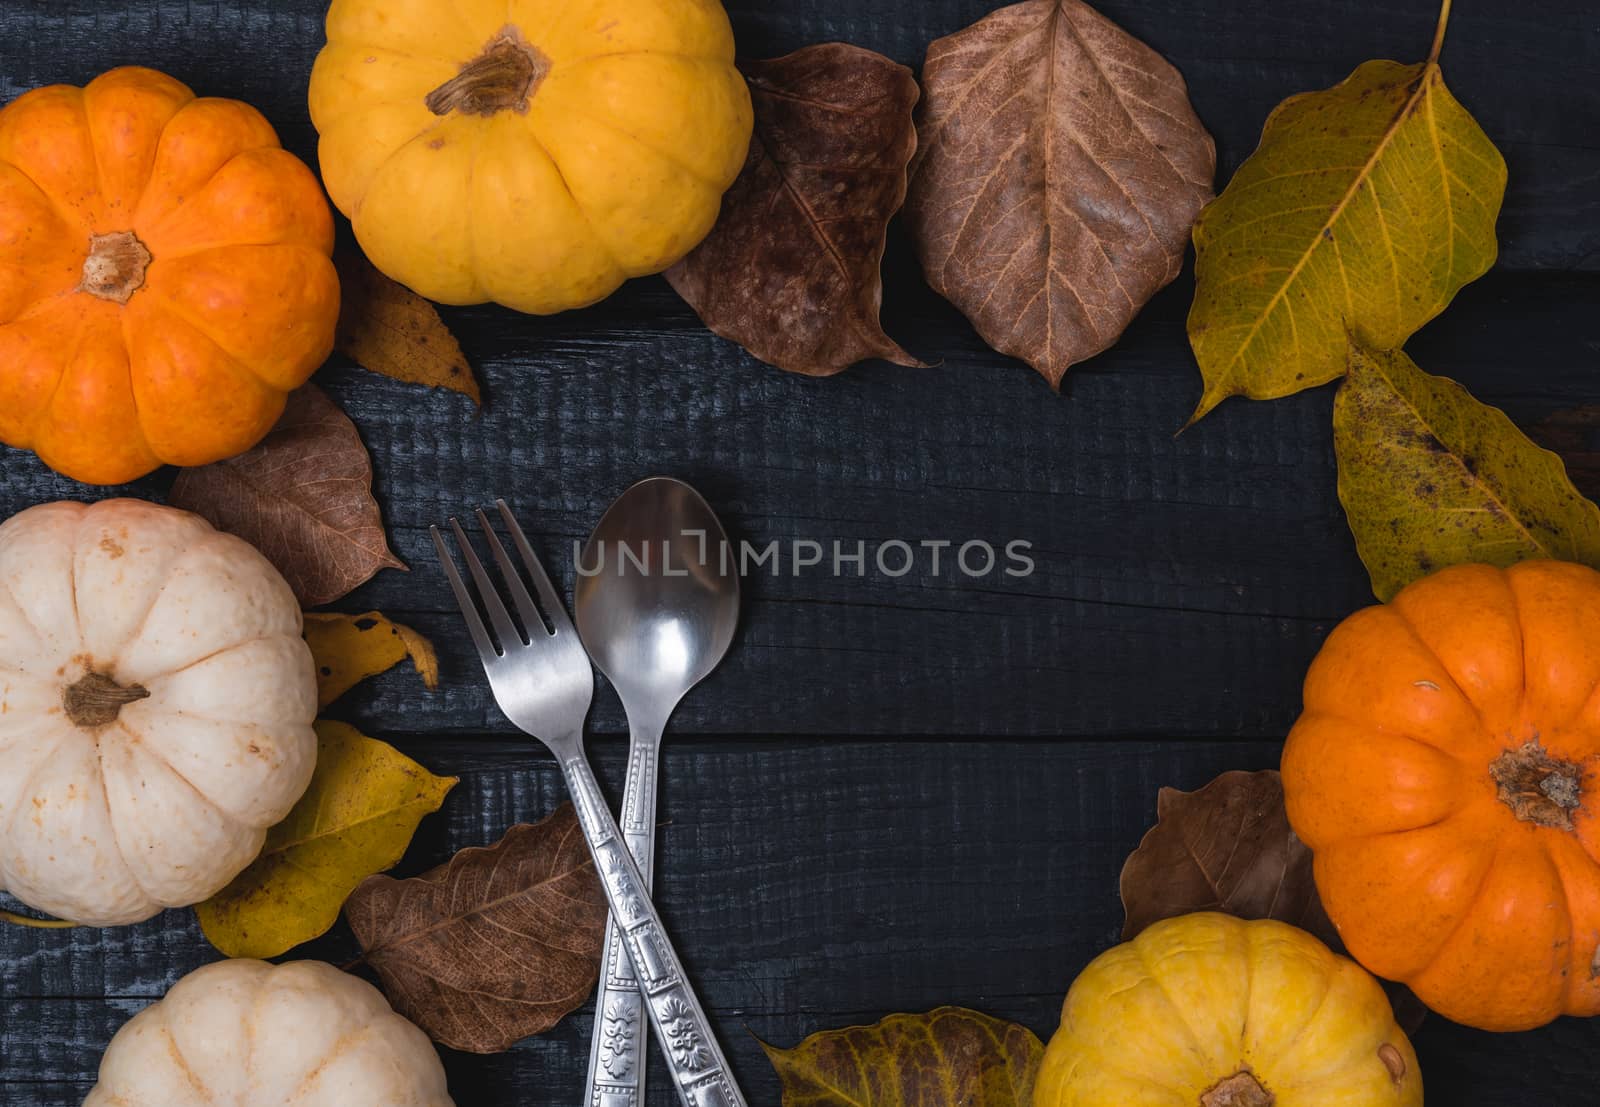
[356,819]
[1365,209]
[944,1058]
[350,648]
[1431,477]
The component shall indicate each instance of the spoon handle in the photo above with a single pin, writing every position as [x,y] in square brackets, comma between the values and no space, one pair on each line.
[617,1051]
[700,1072]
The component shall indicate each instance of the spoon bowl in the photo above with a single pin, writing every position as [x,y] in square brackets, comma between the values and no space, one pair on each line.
[657,599]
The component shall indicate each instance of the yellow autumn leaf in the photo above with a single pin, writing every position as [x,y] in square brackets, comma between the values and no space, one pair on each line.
[948,1056]
[15,919]
[1431,477]
[386,328]
[1364,210]
[356,819]
[350,648]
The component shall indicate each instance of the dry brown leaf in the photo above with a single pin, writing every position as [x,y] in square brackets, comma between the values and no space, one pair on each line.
[944,1058]
[1060,171]
[303,497]
[350,648]
[1227,847]
[498,944]
[791,270]
[386,328]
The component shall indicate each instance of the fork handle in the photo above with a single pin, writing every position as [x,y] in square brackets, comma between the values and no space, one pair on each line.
[700,1071]
[616,1050]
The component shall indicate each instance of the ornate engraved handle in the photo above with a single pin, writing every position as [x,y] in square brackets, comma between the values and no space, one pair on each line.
[701,1072]
[616,1050]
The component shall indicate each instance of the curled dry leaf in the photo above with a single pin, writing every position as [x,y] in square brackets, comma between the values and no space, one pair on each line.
[303,497]
[1061,168]
[1364,210]
[1431,477]
[1226,847]
[348,649]
[495,945]
[386,328]
[356,818]
[791,270]
[946,1057]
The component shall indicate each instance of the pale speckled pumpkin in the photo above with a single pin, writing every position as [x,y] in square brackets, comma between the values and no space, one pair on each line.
[1206,1010]
[250,1034]
[531,152]
[156,701]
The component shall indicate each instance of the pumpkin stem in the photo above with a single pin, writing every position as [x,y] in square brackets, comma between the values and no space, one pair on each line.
[115,267]
[502,78]
[96,700]
[1538,788]
[1396,1064]
[1241,1089]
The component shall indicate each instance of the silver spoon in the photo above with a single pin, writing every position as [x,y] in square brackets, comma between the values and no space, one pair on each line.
[657,601]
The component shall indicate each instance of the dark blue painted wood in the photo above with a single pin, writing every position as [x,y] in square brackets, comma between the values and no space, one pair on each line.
[897,792]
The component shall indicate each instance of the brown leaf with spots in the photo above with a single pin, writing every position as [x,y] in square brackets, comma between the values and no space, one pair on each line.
[386,328]
[1060,171]
[943,1058]
[497,944]
[1227,847]
[303,497]
[791,270]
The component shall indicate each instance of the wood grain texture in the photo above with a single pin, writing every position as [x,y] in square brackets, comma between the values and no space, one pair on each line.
[816,875]
[807,892]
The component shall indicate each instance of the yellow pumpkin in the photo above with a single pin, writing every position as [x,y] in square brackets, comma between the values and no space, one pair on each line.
[531,152]
[1207,1010]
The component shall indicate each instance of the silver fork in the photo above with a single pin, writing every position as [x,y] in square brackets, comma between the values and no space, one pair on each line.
[543,683]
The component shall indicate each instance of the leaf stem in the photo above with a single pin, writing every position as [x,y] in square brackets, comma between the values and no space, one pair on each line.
[38,924]
[1438,35]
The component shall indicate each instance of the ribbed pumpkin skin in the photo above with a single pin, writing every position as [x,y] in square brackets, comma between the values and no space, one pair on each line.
[250,1034]
[236,307]
[1202,1000]
[604,157]
[1429,724]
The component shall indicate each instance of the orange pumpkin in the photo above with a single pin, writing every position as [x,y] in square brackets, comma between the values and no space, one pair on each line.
[1445,775]
[165,276]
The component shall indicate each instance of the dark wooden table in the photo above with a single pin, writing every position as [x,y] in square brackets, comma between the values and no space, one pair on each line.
[896,793]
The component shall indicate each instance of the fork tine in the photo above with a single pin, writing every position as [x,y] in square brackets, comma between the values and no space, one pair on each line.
[529,611]
[469,610]
[504,628]
[541,580]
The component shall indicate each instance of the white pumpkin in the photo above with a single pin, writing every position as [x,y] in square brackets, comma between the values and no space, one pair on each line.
[156,701]
[250,1034]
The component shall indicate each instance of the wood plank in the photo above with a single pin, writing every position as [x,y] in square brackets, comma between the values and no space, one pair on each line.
[1182,583]
[806,892]
[1240,60]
